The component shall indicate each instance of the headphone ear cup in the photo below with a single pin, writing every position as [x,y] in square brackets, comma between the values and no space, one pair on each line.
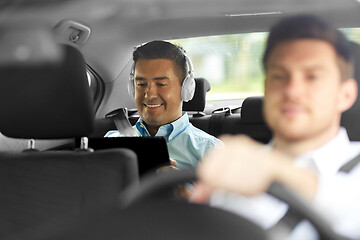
[188,88]
[131,87]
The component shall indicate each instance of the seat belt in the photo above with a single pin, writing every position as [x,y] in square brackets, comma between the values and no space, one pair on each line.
[350,165]
[122,123]
[291,219]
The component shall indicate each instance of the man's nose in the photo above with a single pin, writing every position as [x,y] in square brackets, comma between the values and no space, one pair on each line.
[151,91]
[294,87]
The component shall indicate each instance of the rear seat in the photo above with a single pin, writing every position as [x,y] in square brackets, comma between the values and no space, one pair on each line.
[196,106]
[351,118]
[252,121]
[198,102]
[249,121]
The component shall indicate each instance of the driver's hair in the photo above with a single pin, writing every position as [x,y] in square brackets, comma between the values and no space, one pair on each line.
[311,27]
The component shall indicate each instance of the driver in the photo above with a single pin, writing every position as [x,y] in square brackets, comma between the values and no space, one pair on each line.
[308,85]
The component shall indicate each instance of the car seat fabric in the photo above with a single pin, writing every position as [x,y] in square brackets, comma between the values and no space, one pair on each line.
[351,118]
[44,192]
[51,190]
[53,99]
[175,218]
[252,122]
[251,110]
[199,100]
[166,220]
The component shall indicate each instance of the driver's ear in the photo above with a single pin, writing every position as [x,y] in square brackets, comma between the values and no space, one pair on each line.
[348,94]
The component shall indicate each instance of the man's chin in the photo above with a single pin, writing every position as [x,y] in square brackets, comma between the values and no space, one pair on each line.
[292,130]
[152,122]
[292,135]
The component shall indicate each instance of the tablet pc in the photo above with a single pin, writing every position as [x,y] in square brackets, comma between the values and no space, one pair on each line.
[152,152]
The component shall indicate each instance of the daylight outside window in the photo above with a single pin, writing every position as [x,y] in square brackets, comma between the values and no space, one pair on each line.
[233,63]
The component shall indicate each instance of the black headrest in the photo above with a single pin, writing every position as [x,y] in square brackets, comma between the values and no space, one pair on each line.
[48,100]
[351,118]
[251,110]
[199,99]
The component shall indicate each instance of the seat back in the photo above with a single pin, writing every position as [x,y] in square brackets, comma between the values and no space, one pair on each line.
[46,101]
[164,216]
[252,122]
[49,191]
[197,104]
[44,192]
[351,118]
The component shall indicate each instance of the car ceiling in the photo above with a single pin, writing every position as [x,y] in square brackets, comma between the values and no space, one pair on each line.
[142,20]
[95,10]
[119,25]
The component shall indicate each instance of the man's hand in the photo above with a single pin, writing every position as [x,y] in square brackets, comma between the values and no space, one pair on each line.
[173,163]
[172,166]
[182,191]
[248,168]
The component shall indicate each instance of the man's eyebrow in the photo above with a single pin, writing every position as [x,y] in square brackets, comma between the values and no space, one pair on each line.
[156,78]
[315,68]
[161,78]
[275,66]
[278,67]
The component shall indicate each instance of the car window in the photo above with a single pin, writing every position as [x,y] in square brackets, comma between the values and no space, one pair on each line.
[353,34]
[233,63]
[96,86]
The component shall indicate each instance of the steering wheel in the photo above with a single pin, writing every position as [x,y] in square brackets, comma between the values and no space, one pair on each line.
[153,186]
[148,212]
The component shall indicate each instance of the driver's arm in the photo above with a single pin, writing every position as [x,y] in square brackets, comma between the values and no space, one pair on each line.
[246,167]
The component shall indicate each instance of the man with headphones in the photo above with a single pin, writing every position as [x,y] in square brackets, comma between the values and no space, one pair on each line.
[161,79]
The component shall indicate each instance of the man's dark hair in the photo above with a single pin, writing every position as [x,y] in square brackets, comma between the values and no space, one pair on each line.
[310,27]
[161,49]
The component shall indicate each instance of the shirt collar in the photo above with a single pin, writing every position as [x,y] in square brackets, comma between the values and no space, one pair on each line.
[140,127]
[330,157]
[169,131]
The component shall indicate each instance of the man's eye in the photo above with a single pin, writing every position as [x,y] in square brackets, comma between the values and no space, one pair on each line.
[278,77]
[161,84]
[141,84]
[312,77]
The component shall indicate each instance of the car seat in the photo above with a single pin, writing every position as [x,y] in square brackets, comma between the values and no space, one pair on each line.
[197,104]
[351,118]
[48,191]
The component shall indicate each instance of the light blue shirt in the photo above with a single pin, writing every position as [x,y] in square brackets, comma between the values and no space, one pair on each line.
[186,143]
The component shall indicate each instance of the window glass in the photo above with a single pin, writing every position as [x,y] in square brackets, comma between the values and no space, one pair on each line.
[88,75]
[93,82]
[353,34]
[233,63]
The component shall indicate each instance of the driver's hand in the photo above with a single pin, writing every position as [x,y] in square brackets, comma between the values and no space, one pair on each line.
[247,167]
[241,165]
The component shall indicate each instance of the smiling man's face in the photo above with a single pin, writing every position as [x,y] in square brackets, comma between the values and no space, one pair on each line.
[157,92]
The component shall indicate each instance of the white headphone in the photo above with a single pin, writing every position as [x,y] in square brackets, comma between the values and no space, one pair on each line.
[187,87]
